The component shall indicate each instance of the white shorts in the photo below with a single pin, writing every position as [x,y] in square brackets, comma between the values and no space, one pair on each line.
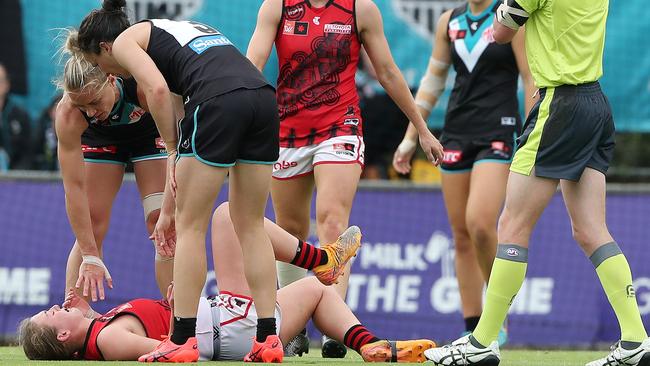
[299,161]
[226,325]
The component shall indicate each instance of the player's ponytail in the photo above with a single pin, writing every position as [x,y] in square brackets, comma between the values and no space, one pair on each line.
[41,343]
[78,74]
[103,25]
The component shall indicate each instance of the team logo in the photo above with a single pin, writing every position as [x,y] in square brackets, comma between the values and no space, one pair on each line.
[338,28]
[508,121]
[343,146]
[512,252]
[351,121]
[164,9]
[316,20]
[296,28]
[452,156]
[295,12]
[422,15]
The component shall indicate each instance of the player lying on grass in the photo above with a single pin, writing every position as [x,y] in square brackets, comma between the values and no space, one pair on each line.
[226,322]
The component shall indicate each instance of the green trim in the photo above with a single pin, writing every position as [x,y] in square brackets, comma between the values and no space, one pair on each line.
[104,161]
[187,155]
[244,161]
[148,157]
[525,157]
[196,155]
[498,161]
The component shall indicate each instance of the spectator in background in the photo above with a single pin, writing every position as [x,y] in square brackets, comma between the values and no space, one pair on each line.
[45,138]
[15,137]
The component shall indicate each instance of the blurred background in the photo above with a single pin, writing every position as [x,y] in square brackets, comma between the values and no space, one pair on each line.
[403,280]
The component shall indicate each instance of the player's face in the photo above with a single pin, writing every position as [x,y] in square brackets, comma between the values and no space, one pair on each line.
[95,103]
[60,319]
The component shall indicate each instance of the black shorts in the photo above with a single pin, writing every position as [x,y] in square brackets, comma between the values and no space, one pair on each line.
[569,129]
[239,126]
[462,152]
[122,144]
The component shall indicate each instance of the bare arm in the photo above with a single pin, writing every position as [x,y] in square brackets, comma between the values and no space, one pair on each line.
[431,87]
[70,124]
[262,40]
[519,48]
[118,343]
[371,31]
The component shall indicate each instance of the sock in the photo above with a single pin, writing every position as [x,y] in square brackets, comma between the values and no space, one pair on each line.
[471,323]
[184,328]
[308,256]
[265,328]
[358,336]
[506,278]
[615,276]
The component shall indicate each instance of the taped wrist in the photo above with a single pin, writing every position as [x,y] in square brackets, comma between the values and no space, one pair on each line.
[91,259]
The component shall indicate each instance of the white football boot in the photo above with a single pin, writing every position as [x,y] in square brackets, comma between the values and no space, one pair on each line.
[639,356]
[462,352]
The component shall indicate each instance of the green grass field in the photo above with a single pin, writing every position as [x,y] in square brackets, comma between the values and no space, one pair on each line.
[15,356]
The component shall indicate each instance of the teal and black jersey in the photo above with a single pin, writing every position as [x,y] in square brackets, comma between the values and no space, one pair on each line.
[127,121]
[484,98]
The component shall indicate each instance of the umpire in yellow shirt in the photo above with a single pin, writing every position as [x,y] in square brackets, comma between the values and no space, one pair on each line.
[568,139]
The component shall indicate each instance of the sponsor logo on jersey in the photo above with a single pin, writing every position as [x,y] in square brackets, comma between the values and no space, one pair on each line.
[508,121]
[135,115]
[99,149]
[344,148]
[199,45]
[296,28]
[281,165]
[338,28]
[316,20]
[452,156]
[488,35]
[351,121]
[295,12]
[455,34]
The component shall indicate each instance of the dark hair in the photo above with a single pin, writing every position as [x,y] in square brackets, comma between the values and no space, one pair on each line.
[102,25]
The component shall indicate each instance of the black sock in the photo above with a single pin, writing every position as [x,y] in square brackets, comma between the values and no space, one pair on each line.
[184,328]
[308,256]
[265,328]
[471,323]
[358,336]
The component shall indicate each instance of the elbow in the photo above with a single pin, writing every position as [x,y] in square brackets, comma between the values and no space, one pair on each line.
[159,92]
[501,38]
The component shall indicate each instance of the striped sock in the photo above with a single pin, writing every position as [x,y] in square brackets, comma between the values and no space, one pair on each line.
[308,256]
[358,336]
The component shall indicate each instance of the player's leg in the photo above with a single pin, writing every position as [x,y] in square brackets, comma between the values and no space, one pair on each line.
[150,176]
[455,189]
[292,205]
[102,181]
[308,298]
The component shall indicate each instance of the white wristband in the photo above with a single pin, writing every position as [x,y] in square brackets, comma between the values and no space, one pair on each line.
[406,146]
[91,259]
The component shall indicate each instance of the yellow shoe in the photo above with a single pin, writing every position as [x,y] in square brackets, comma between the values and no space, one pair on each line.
[396,351]
[339,253]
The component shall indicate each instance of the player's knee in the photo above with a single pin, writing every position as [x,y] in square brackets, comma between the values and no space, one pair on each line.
[462,241]
[296,227]
[481,232]
[583,237]
[331,222]
[221,217]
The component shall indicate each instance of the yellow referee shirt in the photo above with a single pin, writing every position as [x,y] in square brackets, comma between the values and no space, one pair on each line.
[565,40]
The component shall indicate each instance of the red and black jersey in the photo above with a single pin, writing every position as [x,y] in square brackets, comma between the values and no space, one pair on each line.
[153,314]
[318,52]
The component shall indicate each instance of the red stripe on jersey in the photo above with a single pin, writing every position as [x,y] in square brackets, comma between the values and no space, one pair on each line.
[318,52]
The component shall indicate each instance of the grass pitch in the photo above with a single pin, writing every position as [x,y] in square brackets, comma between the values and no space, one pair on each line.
[15,356]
